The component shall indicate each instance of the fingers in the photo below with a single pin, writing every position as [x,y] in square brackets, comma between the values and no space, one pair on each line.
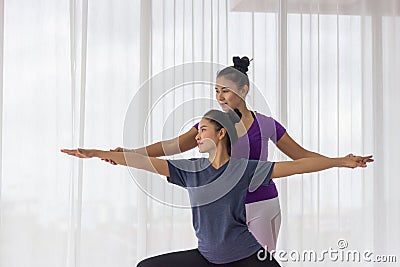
[368,159]
[361,164]
[361,159]
[79,152]
[355,162]
[68,151]
[110,161]
[71,152]
[85,153]
[118,149]
[82,152]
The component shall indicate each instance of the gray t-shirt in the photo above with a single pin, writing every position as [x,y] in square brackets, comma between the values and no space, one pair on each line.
[217,198]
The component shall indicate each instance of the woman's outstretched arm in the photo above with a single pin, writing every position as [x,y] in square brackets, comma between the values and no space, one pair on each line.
[295,151]
[134,160]
[177,145]
[307,165]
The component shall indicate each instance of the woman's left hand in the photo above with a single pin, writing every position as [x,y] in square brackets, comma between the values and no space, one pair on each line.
[80,152]
[351,161]
[364,160]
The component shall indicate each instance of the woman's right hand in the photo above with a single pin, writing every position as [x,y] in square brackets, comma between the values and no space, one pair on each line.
[118,149]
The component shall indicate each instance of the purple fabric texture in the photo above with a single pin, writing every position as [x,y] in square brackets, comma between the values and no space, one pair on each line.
[254,145]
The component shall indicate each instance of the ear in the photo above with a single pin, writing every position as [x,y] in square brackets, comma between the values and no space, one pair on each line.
[221,134]
[244,91]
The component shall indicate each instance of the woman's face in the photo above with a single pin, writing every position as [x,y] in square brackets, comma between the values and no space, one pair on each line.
[227,94]
[207,136]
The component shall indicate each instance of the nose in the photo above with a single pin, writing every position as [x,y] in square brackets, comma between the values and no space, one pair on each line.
[219,96]
[197,137]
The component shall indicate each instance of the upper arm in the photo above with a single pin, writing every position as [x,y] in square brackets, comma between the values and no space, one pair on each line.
[160,166]
[290,148]
[179,144]
[187,140]
[169,147]
[151,164]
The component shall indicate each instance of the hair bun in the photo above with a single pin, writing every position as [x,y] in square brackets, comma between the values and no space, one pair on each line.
[234,115]
[241,64]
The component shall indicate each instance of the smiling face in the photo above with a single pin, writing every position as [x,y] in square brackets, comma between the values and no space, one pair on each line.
[208,137]
[228,95]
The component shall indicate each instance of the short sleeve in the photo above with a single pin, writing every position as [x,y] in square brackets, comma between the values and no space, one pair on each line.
[279,130]
[270,167]
[262,171]
[177,176]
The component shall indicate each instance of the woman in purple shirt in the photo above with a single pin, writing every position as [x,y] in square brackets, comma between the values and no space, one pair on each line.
[262,206]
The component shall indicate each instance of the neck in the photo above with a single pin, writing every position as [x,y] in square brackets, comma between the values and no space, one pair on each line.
[246,113]
[218,157]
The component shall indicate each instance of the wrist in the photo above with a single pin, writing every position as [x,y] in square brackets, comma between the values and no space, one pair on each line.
[98,153]
[341,162]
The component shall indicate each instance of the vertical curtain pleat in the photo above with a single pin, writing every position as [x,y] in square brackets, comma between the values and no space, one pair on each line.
[377,95]
[78,46]
[144,75]
[282,90]
[1,99]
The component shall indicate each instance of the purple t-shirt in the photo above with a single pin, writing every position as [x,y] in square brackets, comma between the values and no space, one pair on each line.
[254,145]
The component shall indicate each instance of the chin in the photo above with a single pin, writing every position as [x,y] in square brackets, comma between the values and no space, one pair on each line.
[225,108]
[203,151]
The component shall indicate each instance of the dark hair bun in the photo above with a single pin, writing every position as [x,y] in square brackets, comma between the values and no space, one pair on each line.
[241,64]
[234,115]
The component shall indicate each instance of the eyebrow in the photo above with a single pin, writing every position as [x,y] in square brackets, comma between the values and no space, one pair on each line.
[203,126]
[222,88]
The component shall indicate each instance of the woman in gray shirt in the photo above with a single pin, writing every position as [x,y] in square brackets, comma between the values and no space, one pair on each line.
[217,188]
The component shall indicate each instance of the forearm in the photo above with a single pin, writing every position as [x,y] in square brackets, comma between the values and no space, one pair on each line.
[121,158]
[293,150]
[308,154]
[153,150]
[305,165]
[170,147]
[136,160]
[159,149]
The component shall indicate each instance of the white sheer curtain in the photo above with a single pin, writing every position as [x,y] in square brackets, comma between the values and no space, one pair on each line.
[328,69]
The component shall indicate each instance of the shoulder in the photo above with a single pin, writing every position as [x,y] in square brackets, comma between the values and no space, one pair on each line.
[250,164]
[269,122]
[263,117]
[188,165]
[185,162]
[254,163]
[265,122]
